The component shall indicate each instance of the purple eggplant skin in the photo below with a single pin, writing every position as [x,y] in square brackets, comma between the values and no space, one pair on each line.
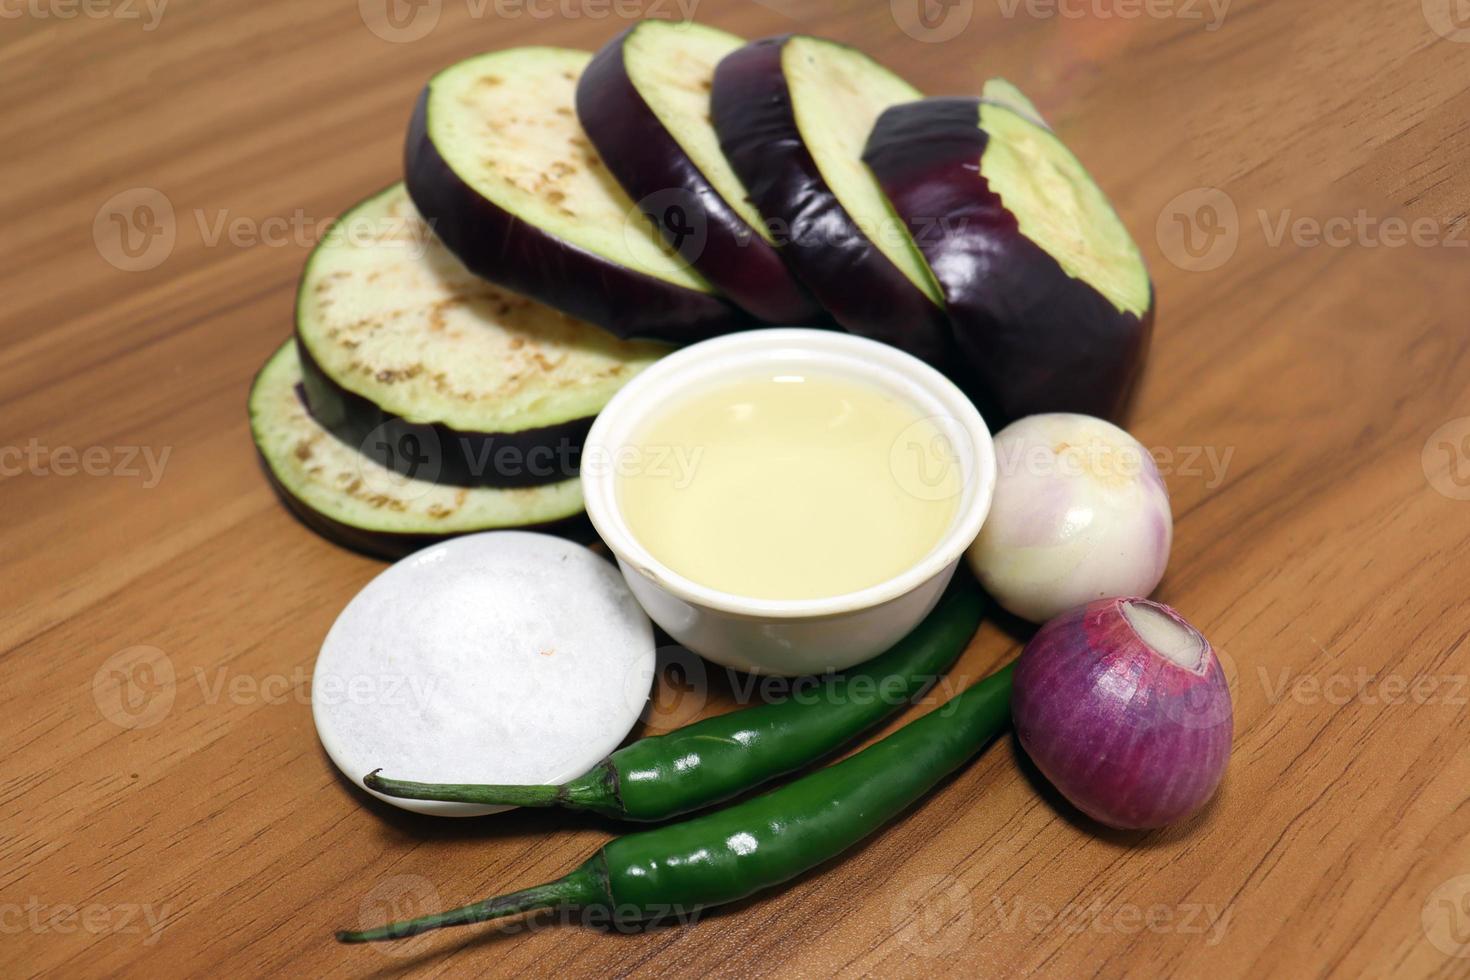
[649,163]
[850,276]
[529,457]
[1035,339]
[506,250]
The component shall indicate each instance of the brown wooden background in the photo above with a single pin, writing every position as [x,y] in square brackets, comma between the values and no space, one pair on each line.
[1297,392]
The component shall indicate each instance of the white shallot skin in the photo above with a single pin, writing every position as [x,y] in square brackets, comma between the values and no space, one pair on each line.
[1079,513]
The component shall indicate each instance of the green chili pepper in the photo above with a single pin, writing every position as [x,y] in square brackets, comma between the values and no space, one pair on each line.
[728,854]
[721,757]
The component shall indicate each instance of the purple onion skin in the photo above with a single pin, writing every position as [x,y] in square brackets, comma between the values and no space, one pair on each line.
[1129,737]
[506,250]
[1035,339]
[849,275]
[649,163]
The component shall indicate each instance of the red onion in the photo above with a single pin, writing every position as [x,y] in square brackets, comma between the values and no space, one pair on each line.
[1125,708]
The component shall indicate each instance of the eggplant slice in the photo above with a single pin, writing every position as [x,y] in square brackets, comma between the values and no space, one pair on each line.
[793,114]
[998,91]
[1051,302]
[352,500]
[497,164]
[645,102]
[427,368]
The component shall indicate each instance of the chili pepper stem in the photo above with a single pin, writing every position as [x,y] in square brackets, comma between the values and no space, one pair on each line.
[586,886]
[464,792]
[595,790]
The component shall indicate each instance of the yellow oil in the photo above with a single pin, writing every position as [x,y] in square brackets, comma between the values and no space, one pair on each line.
[789,486]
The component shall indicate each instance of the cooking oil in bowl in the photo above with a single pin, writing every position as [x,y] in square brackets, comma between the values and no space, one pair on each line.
[788,484]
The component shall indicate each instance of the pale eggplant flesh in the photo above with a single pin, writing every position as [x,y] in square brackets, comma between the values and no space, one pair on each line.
[1059,330]
[516,247]
[857,282]
[351,499]
[677,196]
[434,372]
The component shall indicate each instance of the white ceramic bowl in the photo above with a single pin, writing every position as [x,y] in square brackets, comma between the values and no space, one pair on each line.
[788,636]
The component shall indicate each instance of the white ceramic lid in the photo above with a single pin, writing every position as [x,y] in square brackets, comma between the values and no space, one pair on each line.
[504,657]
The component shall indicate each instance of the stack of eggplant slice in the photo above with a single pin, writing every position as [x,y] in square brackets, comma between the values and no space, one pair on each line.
[565,216]
[418,400]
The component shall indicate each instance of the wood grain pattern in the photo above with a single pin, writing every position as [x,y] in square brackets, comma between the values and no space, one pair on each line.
[1299,388]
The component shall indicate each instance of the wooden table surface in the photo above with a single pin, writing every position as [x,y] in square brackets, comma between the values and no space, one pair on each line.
[1295,175]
